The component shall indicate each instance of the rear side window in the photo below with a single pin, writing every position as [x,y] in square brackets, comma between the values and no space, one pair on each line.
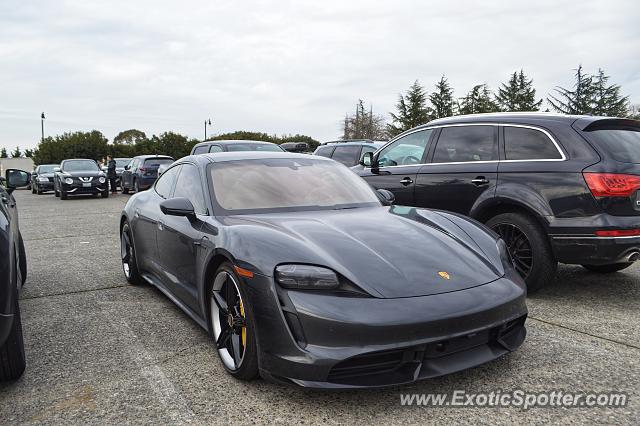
[189,186]
[202,149]
[347,155]
[528,144]
[215,148]
[324,151]
[621,144]
[466,144]
[165,182]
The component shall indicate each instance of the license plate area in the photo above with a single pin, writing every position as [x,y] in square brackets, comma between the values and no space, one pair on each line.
[86,184]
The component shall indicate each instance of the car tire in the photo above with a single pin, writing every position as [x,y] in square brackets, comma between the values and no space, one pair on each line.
[526,240]
[105,194]
[125,190]
[136,186]
[608,269]
[248,367]
[63,195]
[23,260]
[128,256]
[12,356]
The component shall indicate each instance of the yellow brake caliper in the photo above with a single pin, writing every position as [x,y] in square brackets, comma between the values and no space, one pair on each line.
[244,329]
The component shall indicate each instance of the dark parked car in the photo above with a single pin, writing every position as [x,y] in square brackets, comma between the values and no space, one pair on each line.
[557,188]
[79,176]
[234,145]
[300,147]
[42,178]
[142,172]
[304,274]
[121,163]
[347,153]
[13,272]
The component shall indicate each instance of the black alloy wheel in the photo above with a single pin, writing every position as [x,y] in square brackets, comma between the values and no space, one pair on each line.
[128,256]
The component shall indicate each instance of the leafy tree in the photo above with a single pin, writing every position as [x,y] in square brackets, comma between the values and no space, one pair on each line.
[260,136]
[71,145]
[129,137]
[16,153]
[3,153]
[412,110]
[576,101]
[28,153]
[169,143]
[607,99]
[518,94]
[442,100]
[478,100]
[364,124]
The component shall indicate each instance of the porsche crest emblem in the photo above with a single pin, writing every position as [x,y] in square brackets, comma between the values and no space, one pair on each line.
[444,275]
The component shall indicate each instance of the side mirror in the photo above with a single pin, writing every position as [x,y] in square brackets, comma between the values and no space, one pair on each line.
[367,159]
[56,169]
[16,178]
[386,197]
[177,207]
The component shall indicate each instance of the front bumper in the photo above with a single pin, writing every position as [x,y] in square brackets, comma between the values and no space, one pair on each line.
[45,185]
[77,188]
[325,341]
[574,240]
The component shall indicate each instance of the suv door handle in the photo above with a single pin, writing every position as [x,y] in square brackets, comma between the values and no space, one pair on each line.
[480,180]
[406,181]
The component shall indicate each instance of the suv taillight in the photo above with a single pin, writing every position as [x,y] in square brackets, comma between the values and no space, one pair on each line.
[612,185]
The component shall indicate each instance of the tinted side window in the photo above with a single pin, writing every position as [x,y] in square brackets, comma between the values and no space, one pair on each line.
[215,148]
[622,144]
[202,149]
[528,144]
[405,151]
[165,182]
[324,151]
[189,186]
[466,143]
[347,155]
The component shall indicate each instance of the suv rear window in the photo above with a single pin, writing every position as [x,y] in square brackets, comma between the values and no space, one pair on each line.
[466,143]
[156,162]
[347,155]
[324,151]
[528,144]
[621,144]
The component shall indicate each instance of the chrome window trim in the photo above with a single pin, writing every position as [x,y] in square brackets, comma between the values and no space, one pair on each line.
[525,126]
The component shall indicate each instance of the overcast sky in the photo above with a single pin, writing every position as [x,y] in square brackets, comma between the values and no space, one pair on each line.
[283,66]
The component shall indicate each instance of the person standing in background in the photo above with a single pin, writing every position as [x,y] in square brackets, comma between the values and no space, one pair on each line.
[111,174]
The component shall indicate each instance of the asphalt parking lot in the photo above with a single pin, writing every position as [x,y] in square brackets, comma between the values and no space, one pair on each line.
[101,351]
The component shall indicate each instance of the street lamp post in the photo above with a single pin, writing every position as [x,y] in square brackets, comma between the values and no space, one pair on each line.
[42,117]
[206,122]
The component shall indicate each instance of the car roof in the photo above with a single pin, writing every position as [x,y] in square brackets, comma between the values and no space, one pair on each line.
[358,143]
[233,141]
[218,157]
[144,157]
[78,159]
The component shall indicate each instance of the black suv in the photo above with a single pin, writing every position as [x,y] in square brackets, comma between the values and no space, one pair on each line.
[13,272]
[42,178]
[557,188]
[79,176]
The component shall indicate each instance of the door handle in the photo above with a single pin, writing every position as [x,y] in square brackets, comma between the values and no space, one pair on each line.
[480,180]
[406,181]
[160,226]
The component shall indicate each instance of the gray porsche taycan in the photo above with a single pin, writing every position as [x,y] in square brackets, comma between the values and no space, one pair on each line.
[302,273]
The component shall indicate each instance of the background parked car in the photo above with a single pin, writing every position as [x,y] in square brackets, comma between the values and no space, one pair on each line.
[348,153]
[42,178]
[121,163]
[234,145]
[13,273]
[557,188]
[79,176]
[142,172]
[299,147]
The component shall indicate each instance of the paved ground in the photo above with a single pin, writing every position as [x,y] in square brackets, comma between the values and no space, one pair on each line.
[100,351]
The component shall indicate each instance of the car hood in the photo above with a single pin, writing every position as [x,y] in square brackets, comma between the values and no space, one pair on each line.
[84,173]
[390,252]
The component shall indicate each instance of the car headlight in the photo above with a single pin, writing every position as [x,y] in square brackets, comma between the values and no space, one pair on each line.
[43,179]
[68,181]
[306,277]
[102,180]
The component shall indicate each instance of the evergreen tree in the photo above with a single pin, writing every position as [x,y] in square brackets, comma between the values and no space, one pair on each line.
[518,94]
[607,99]
[412,110]
[576,101]
[442,100]
[3,153]
[16,153]
[479,100]
[28,153]
[364,124]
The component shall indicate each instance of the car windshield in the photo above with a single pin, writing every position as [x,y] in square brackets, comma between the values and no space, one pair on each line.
[254,147]
[287,184]
[80,166]
[156,162]
[121,162]
[46,169]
